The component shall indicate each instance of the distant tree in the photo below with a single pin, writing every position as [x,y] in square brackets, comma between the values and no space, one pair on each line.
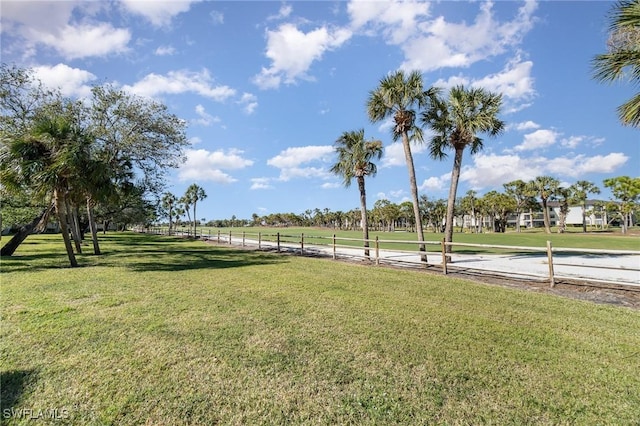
[456,121]
[545,187]
[169,202]
[623,58]
[191,197]
[564,198]
[355,160]
[580,192]
[626,191]
[397,96]
[522,197]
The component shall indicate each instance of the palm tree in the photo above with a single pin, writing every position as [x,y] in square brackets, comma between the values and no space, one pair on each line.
[397,96]
[580,191]
[169,202]
[355,157]
[51,160]
[545,187]
[194,194]
[456,122]
[518,191]
[623,56]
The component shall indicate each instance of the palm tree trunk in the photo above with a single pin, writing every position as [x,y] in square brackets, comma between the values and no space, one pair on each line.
[195,231]
[10,247]
[363,214]
[414,193]
[584,217]
[93,227]
[455,177]
[62,219]
[545,216]
[75,228]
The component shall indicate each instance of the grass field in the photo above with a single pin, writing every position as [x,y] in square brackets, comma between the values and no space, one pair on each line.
[168,331]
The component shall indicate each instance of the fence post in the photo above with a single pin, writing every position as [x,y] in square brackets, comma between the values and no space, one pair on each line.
[243,238]
[302,243]
[334,246]
[444,256]
[218,236]
[259,240]
[229,237]
[278,242]
[552,280]
[377,251]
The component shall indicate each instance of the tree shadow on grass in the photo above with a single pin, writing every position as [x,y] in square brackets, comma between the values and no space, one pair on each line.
[13,384]
[211,258]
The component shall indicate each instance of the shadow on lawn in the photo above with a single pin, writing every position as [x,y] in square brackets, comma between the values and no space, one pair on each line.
[211,258]
[13,384]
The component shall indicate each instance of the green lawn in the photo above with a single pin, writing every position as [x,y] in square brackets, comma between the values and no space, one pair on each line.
[166,331]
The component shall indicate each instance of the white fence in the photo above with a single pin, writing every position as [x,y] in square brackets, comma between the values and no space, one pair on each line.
[620,267]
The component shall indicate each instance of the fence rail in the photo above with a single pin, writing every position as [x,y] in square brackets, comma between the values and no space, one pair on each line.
[560,262]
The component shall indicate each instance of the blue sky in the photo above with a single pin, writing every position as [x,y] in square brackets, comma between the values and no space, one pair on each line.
[267,87]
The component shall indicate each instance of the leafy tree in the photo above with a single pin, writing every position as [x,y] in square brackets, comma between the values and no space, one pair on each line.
[456,122]
[397,96]
[580,192]
[623,57]
[355,160]
[522,196]
[626,190]
[545,187]
[564,198]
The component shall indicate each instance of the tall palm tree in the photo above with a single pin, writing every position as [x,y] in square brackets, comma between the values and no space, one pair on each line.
[580,191]
[194,194]
[51,160]
[355,157]
[397,96]
[623,58]
[456,122]
[169,202]
[545,187]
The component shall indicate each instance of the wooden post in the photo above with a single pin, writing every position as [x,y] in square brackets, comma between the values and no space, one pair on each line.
[377,251]
[229,237]
[552,280]
[218,236]
[259,240]
[242,238]
[444,256]
[334,246]
[278,241]
[302,244]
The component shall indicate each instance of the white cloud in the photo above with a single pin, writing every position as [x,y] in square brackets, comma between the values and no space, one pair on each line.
[261,183]
[434,184]
[331,185]
[292,52]
[165,51]
[461,44]
[217,18]
[249,103]
[204,118]
[394,153]
[203,165]
[284,12]
[159,13]
[526,125]
[538,139]
[72,82]
[491,170]
[74,42]
[291,160]
[182,81]
[396,20]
